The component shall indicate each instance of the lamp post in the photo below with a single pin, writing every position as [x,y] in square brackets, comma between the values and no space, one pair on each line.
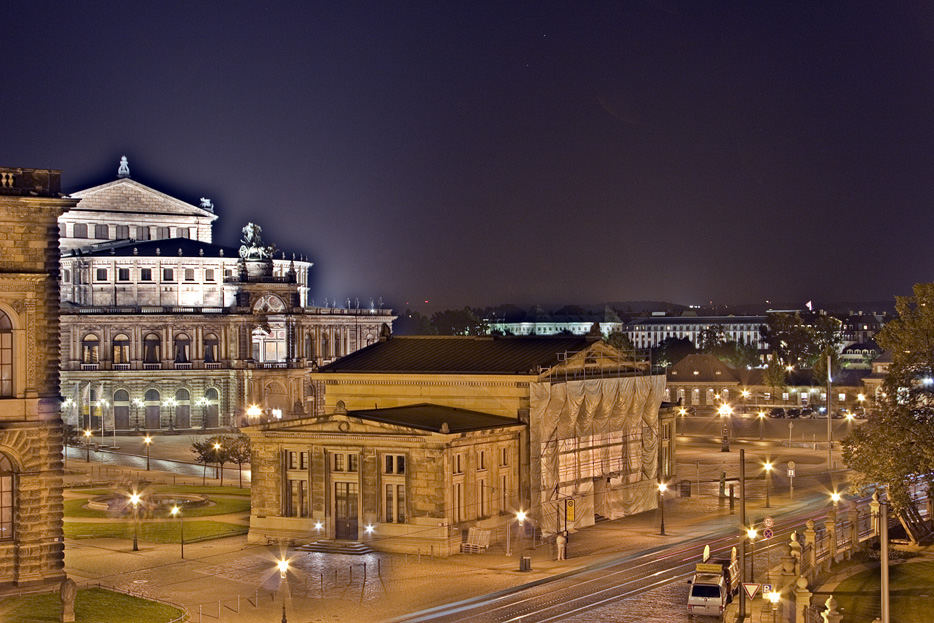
[662,487]
[135,500]
[137,405]
[87,443]
[177,512]
[217,457]
[253,412]
[725,412]
[277,413]
[774,598]
[761,416]
[101,404]
[171,403]
[745,394]
[767,466]
[148,441]
[751,534]
[520,517]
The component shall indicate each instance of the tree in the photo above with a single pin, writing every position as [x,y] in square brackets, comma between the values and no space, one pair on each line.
[671,350]
[239,453]
[709,339]
[202,450]
[619,341]
[790,339]
[774,376]
[205,452]
[458,322]
[895,446]
[736,354]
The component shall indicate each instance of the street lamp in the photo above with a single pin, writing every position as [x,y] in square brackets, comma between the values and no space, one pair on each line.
[725,412]
[835,497]
[767,466]
[745,394]
[101,404]
[177,512]
[662,487]
[751,534]
[774,597]
[87,443]
[761,416]
[520,517]
[147,440]
[135,500]
[137,405]
[682,412]
[217,457]
[277,413]
[283,565]
[253,411]
[171,403]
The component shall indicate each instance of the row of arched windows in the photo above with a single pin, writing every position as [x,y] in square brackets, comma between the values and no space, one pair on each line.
[147,413]
[6,356]
[152,348]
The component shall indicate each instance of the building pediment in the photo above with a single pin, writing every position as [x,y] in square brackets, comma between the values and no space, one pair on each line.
[337,425]
[126,195]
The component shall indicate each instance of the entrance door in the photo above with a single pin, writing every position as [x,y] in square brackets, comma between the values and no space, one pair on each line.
[122,417]
[152,416]
[345,511]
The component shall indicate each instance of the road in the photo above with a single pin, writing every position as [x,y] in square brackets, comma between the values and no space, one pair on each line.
[607,585]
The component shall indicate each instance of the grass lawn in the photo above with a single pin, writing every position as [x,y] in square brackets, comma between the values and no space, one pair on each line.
[152,532]
[245,492]
[221,506]
[911,590]
[92,605]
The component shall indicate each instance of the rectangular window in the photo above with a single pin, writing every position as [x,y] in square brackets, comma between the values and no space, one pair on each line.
[123,232]
[303,460]
[481,496]
[297,502]
[182,232]
[6,507]
[504,456]
[6,363]
[62,230]
[841,397]
[292,460]
[102,232]
[100,274]
[142,232]
[351,462]
[80,230]
[162,233]
[145,274]
[458,466]
[395,464]
[505,493]
[339,462]
[168,274]
[123,274]
[189,274]
[481,460]
[209,274]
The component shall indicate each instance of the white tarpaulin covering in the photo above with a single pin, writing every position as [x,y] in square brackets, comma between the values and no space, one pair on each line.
[596,442]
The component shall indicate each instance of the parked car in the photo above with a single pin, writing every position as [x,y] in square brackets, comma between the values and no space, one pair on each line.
[777,412]
[806,413]
[793,413]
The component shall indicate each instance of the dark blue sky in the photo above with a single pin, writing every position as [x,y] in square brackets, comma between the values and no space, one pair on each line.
[475,153]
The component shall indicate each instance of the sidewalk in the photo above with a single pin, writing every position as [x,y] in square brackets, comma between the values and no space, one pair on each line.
[216,574]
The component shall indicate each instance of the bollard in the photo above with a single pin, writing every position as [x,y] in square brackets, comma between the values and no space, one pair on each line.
[350,576]
[732,499]
[364,572]
[322,584]
[199,613]
[256,599]
[379,570]
[238,603]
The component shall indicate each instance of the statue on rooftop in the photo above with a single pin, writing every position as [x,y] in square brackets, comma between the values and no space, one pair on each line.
[207,204]
[124,169]
[252,247]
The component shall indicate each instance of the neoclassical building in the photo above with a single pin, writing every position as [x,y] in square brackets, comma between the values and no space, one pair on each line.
[31,547]
[423,438]
[162,329]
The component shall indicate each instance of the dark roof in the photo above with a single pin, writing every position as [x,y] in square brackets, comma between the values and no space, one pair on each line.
[709,370]
[699,320]
[167,247]
[460,355]
[432,417]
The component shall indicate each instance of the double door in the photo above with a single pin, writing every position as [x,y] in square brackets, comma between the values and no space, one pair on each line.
[346,495]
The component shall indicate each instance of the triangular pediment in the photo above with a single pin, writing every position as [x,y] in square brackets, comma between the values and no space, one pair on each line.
[343,425]
[126,195]
[598,355]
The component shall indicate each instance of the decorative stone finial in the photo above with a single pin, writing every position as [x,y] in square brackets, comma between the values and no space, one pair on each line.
[124,169]
[445,429]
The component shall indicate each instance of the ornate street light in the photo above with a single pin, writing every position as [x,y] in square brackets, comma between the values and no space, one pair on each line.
[87,443]
[148,441]
[135,500]
[662,487]
[767,466]
[177,512]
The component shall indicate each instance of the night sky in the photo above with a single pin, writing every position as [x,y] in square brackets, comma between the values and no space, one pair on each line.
[479,153]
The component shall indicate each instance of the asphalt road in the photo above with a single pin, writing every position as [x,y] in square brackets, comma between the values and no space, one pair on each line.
[609,584]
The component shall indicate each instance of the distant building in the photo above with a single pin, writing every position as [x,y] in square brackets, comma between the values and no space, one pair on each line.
[31,539]
[162,329]
[541,323]
[485,427]
[649,332]
[859,355]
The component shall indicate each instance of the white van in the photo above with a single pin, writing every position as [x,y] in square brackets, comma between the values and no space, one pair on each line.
[709,595]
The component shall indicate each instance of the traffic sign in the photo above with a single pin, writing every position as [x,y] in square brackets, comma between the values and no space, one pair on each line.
[766,589]
[767,533]
[768,522]
[791,473]
[751,588]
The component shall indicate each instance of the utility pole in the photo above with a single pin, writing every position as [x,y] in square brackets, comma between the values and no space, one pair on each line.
[884,555]
[742,532]
[829,421]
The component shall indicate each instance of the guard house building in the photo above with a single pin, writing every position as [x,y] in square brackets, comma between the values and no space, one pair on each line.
[31,541]
[482,427]
[164,330]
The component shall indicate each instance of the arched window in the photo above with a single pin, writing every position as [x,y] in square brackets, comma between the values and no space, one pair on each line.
[210,348]
[325,346]
[182,408]
[182,348]
[121,349]
[121,409]
[7,497]
[211,408]
[90,349]
[151,349]
[152,400]
[6,355]
[310,345]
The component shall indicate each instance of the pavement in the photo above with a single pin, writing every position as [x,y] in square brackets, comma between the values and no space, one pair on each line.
[228,580]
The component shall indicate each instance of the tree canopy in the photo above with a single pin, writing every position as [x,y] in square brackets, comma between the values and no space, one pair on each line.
[895,446]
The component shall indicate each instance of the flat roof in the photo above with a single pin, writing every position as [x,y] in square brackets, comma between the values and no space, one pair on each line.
[432,417]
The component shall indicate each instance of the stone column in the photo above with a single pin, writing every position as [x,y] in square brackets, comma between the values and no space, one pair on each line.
[810,539]
[830,524]
[802,599]
[795,548]
[854,529]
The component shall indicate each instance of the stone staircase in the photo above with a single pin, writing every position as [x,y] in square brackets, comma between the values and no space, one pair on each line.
[331,546]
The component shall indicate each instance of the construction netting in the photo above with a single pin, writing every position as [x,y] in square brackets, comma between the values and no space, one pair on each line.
[594,442]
